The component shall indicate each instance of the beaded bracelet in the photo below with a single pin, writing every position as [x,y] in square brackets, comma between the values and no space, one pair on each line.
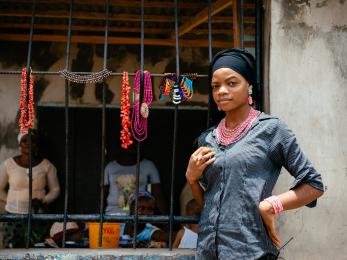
[276,204]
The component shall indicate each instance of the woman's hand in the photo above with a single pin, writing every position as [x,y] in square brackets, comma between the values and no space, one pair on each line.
[198,161]
[268,215]
[37,205]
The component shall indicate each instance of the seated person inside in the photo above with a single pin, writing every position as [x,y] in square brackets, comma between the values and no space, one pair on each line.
[148,235]
[73,235]
[187,236]
[120,181]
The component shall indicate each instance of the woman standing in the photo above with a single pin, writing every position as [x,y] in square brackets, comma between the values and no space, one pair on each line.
[14,175]
[238,163]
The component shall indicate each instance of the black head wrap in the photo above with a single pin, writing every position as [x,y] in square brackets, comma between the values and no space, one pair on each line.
[238,60]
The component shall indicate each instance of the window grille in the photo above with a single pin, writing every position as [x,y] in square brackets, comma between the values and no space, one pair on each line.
[101,217]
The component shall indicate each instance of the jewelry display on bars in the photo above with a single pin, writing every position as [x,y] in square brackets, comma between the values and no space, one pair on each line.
[89,78]
[179,90]
[26,104]
[125,134]
[140,112]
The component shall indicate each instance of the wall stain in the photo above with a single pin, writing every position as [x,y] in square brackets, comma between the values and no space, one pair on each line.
[82,62]
[40,85]
[341,28]
[293,8]
[98,92]
[301,34]
[322,4]
[342,1]
[8,136]
[334,39]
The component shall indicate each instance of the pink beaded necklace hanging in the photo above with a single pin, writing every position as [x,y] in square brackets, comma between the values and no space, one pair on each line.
[228,136]
[140,113]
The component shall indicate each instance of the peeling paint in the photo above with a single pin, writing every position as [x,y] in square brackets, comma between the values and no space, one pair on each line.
[300,34]
[293,8]
[322,4]
[334,40]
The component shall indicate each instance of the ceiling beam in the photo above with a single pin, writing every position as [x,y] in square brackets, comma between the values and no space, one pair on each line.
[115,29]
[87,15]
[118,40]
[202,16]
[128,4]
[86,28]
[122,17]
[236,25]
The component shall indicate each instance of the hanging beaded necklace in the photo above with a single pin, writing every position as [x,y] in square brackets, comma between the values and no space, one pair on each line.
[26,107]
[89,78]
[228,136]
[140,113]
[125,112]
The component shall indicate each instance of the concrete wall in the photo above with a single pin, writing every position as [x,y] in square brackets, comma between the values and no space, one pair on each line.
[93,254]
[307,82]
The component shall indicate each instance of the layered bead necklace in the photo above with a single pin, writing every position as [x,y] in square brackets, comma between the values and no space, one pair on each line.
[89,78]
[228,136]
[140,113]
[26,107]
[178,89]
[125,112]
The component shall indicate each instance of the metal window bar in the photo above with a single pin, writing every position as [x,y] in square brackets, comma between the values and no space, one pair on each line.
[96,218]
[114,218]
[209,24]
[258,48]
[174,132]
[241,3]
[103,125]
[138,158]
[29,216]
[67,134]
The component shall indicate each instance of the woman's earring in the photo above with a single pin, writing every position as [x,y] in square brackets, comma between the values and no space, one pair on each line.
[250,92]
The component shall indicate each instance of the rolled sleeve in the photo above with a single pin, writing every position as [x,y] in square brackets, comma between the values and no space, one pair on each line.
[287,152]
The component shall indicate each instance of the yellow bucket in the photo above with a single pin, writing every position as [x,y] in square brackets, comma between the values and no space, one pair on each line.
[110,235]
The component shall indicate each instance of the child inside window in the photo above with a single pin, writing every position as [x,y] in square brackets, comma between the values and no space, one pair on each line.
[187,236]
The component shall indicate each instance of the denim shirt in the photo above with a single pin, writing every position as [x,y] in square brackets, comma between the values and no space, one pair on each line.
[243,174]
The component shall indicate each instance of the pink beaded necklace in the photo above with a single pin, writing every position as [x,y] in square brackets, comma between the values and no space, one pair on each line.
[140,113]
[228,136]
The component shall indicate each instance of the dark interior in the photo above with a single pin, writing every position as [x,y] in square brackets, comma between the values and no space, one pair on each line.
[85,149]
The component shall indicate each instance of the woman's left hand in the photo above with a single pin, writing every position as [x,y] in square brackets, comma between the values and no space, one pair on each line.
[36,205]
[268,215]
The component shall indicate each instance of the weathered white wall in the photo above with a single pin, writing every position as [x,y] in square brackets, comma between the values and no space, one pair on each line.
[307,82]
